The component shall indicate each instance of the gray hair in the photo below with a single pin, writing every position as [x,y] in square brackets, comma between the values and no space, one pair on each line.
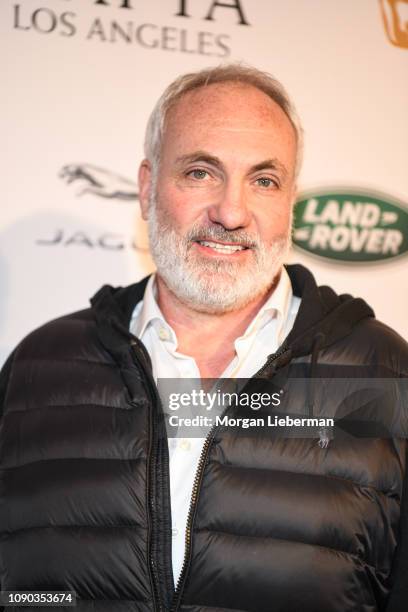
[236,73]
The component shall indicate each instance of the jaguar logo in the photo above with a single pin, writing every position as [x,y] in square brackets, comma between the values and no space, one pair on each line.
[99,182]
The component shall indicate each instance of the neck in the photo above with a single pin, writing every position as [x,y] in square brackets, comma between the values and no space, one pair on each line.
[207,337]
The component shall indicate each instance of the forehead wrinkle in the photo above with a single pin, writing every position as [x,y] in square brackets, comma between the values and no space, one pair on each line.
[242,129]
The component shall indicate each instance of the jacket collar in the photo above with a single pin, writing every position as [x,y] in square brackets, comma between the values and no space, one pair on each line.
[322,312]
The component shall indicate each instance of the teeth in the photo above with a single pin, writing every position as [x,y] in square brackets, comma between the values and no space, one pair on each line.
[223,248]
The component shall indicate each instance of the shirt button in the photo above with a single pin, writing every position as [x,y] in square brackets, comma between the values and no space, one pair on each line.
[174,532]
[185,445]
[163,333]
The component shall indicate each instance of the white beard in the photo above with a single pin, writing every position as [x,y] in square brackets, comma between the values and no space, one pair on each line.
[208,284]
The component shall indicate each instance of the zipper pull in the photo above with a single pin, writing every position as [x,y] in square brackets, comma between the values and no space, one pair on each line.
[324,437]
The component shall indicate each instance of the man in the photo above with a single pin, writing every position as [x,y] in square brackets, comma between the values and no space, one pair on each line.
[97,500]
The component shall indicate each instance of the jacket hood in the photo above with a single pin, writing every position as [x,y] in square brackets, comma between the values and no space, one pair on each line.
[323,317]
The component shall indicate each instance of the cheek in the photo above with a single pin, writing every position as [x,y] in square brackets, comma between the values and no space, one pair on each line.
[274,222]
[168,199]
[183,206]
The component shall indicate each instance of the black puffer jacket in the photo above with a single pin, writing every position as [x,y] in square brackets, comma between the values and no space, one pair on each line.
[276,525]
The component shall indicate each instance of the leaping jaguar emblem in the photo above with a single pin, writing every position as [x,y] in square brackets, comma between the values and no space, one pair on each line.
[99,182]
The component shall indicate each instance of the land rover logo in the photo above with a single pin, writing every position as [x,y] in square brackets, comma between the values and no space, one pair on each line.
[352,226]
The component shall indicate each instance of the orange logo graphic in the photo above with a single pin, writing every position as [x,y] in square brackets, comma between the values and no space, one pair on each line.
[395,17]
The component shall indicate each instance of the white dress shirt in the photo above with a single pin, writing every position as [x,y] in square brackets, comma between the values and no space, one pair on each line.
[262,337]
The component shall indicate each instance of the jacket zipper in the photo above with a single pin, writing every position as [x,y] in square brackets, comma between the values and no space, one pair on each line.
[270,359]
[194,495]
[152,482]
[197,485]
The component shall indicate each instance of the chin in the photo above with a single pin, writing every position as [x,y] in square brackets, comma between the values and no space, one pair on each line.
[225,294]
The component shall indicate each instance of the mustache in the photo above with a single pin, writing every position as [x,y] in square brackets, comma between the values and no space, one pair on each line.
[223,235]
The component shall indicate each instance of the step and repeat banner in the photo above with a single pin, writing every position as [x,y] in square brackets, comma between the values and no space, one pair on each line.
[80,78]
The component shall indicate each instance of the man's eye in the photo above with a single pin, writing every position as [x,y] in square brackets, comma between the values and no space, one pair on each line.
[264,181]
[197,173]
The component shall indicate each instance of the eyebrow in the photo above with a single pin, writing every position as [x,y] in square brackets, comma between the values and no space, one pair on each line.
[199,156]
[273,163]
[203,156]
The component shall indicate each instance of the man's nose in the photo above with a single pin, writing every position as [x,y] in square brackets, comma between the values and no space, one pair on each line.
[231,207]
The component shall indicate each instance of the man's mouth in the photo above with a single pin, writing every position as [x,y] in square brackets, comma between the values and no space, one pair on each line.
[220,247]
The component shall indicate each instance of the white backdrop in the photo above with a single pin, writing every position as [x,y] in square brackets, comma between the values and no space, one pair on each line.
[80,78]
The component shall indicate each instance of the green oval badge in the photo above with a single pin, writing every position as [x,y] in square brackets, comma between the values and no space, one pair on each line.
[349,225]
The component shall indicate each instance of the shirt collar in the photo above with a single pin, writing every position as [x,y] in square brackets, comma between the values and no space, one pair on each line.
[276,306]
[148,312]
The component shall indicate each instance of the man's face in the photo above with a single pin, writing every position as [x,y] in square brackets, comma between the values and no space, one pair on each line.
[220,213]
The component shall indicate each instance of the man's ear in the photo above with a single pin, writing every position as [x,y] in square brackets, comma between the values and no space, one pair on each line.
[295,193]
[145,186]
